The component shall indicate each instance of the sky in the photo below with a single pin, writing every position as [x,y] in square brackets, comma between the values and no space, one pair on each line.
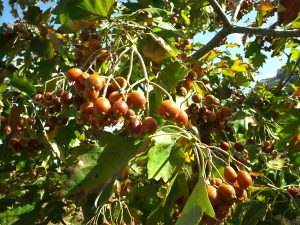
[269,68]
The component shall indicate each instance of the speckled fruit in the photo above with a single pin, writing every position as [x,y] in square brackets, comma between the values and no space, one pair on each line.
[229,174]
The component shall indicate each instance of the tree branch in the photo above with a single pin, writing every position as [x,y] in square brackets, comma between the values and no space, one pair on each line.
[218,9]
[236,10]
[212,43]
[264,32]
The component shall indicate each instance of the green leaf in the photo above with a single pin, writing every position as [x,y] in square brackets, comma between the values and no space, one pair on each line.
[197,204]
[12,216]
[96,164]
[45,68]
[253,52]
[165,157]
[296,22]
[22,84]
[98,7]
[42,47]
[33,15]
[171,74]
[249,213]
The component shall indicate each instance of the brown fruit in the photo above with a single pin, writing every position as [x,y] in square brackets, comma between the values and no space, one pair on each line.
[222,211]
[83,78]
[192,75]
[293,191]
[137,99]
[216,181]
[168,110]
[119,82]
[102,105]
[182,119]
[87,108]
[244,179]
[74,74]
[225,111]
[229,174]
[90,94]
[226,194]
[224,145]
[38,97]
[94,43]
[210,116]
[149,125]
[239,146]
[78,87]
[197,98]
[212,194]
[94,82]
[211,100]
[115,96]
[241,193]
[130,114]
[7,130]
[66,99]
[134,126]
[120,108]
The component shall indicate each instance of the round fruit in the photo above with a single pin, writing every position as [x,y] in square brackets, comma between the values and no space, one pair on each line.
[66,99]
[21,122]
[83,78]
[224,145]
[229,174]
[87,108]
[225,111]
[48,96]
[90,94]
[239,146]
[222,211]
[130,114]
[226,194]
[197,98]
[168,110]
[137,99]
[293,191]
[102,105]
[74,74]
[93,43]
[120,108]
[78,87]
[149,125]
[94,82]
[182,119]
[7,129]
[241,193]
[115,96]
[38,97]
[119,82]
[210,116]
[134,126]
[216,181]
[210,99]
[212,194]
[244,179]
[192,75]
[13,142]
[31,121]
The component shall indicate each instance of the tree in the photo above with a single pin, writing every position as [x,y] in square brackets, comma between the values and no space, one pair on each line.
[113,113]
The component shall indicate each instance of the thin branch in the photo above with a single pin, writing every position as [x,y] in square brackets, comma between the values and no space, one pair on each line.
[236,10]
[220,12]
[212,43]
[264,32]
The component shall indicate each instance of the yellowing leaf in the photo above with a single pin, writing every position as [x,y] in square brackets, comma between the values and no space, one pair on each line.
[265,5]
[189,156]
[297,92]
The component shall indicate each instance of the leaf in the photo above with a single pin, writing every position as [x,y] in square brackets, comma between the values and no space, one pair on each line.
[197,204]
[239,66]
[296,22]
[45,68]
[12,216]
[276,164]
[98,7]
[22,84]
[249,213]
[33,15]
[42,47]
[253,51]
[265,5]
[1,8]
[96,164]
[171,74]
[165,157]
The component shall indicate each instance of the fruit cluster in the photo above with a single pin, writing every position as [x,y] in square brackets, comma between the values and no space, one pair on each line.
[267,147]
[186,84]
[223,195]
[108,104]
[19,130]
[168,110]
[208,116]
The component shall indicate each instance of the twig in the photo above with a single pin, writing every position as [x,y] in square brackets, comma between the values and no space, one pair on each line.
[220,12]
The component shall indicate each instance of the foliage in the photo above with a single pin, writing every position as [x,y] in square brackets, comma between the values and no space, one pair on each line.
[108,117]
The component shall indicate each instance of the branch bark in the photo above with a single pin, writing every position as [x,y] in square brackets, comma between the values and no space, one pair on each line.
[219,11]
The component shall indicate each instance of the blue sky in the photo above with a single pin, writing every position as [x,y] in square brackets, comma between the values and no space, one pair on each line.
[269,69]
